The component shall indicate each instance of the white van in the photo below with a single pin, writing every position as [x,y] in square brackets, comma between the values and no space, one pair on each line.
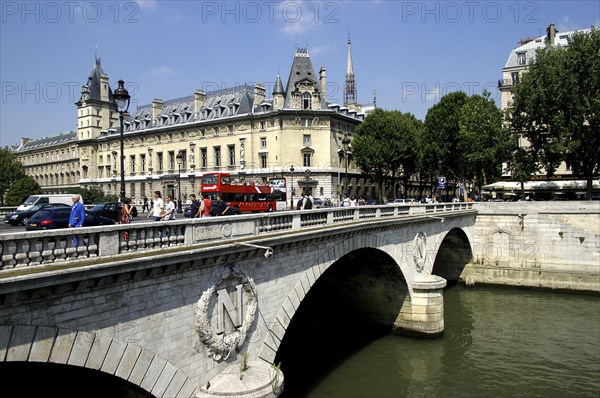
[42,199]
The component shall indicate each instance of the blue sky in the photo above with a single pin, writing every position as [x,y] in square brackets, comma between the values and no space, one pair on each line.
[410,52]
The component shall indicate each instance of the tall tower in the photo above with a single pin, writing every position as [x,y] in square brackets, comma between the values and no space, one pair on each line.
[350,86]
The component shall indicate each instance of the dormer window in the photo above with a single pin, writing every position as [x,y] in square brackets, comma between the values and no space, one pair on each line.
[306,101]
[521,58]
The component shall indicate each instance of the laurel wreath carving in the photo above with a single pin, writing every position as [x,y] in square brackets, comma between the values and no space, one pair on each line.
[221,346]
[420,251]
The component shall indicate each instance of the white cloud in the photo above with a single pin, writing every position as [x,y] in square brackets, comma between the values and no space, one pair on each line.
[567,25]
[320,50]
[297,16]
[161,71]
[146,4]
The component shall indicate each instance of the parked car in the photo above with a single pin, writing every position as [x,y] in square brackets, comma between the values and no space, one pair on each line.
[374,202]
[402,201]
[58,217]
[21,217]
[111,210]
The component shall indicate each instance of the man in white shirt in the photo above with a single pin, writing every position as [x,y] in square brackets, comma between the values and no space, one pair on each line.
[170,209]
[157,207]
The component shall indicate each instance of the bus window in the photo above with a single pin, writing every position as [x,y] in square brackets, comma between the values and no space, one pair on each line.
[225,180]
[210,179]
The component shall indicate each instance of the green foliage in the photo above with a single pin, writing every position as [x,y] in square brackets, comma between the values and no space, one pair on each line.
[384,146]
[557,106]
[11,170]
[439,142]
[483,144]
[21,190]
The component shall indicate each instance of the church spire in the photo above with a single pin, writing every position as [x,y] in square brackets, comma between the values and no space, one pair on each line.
[350,86]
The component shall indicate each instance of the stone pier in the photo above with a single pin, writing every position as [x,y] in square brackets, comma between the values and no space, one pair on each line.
[422,315]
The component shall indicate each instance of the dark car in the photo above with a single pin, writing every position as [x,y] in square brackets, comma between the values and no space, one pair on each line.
[58,217]
[21,217]
[111,210]
[374,202]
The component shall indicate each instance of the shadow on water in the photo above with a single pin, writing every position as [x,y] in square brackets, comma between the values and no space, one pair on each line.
[353,303]
[65,381]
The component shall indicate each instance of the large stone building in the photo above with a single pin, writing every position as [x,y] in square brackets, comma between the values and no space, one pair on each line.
[239,130]
[564,183]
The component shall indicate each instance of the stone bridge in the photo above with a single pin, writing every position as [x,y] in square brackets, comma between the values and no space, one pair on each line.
[204,307]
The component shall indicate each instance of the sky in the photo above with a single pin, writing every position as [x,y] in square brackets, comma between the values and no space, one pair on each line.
[410,53]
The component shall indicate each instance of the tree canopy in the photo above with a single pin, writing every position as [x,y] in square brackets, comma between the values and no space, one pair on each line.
[11,170]
[557,106]
[384,146]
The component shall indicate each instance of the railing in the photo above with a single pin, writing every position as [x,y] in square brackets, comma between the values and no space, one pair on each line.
[24,249]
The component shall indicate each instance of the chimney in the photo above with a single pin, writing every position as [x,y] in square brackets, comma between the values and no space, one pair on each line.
[157,108]
[104,87]
[323,81]
[551,34]
[259,94]
[522,42]
[199,100]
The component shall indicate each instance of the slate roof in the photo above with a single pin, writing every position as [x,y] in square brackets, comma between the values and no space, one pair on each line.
[531,47]
[45,142]
[301,69]
[93,84]
[219,104]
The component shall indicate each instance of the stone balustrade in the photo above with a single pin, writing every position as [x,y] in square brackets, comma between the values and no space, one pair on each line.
[54,246]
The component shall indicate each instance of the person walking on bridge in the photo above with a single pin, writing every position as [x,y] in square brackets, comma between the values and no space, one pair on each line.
[77,217]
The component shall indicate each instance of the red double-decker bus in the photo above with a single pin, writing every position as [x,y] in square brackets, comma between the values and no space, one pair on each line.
[248,196]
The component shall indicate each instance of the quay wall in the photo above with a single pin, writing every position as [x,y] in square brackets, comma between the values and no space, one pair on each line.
[553,245]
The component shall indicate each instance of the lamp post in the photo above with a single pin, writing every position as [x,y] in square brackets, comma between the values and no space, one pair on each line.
[179,159]
[346,145]
[122,99]
[292,189]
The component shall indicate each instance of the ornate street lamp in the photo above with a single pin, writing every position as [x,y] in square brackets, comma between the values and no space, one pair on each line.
[179,159]
[346,145]
[292,189]
[122,99]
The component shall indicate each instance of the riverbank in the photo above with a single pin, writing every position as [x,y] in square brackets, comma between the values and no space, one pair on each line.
[548,245]
[583,282]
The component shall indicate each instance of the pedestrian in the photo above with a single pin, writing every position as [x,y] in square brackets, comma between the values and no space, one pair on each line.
[170,209]
[306,202]
[361,201]
[219,207]
[195,211]
[145,206]
[77,216]
[157,207]
[353,201]
[206,206]
[346,202]
[125,217]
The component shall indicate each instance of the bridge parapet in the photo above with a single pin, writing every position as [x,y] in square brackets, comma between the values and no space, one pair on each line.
[28,249]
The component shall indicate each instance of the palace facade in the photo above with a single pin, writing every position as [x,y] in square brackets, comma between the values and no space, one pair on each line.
[168,144]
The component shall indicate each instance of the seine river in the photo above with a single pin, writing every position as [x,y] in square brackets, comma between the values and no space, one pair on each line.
[499,342]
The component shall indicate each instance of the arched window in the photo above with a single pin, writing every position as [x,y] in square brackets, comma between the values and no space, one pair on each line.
[306,101]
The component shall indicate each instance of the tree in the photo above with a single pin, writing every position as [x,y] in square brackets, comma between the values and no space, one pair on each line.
[557,106]
[483,144]
[21,190]
[11,170]
[383,146]
[439,142]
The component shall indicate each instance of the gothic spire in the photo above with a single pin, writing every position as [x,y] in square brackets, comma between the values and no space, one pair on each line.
[350,85]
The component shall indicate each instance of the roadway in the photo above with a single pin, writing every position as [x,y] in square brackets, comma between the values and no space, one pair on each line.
[9,229]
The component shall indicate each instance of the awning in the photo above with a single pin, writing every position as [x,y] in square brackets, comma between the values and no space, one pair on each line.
[541,185]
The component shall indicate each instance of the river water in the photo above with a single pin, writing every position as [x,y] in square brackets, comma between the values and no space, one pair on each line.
[498,342]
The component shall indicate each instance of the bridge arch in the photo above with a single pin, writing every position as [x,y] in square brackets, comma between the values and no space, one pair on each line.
[94,351]
[453,254]
[368,246]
